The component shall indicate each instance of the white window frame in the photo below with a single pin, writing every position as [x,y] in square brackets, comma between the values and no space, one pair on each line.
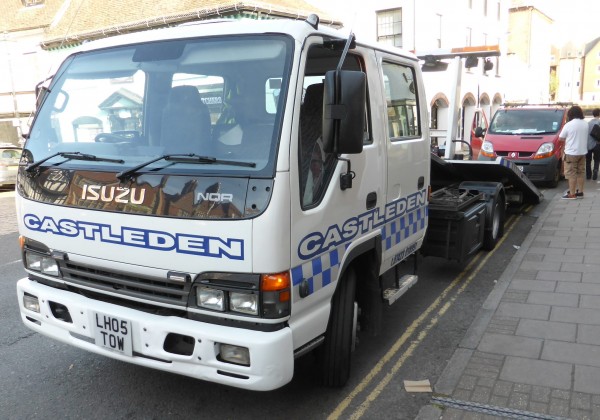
[389,26]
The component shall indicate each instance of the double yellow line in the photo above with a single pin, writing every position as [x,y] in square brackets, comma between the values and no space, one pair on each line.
[445,303]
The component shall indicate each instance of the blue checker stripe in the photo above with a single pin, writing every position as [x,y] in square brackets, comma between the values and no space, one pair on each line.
[399,229]
[323,270]
[320,271]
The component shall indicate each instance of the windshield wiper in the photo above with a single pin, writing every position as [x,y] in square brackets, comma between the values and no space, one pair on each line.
[188,158]
[71,155]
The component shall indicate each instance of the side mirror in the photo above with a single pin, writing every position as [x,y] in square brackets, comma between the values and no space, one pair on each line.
[479,132]
[40,94]
[344,100]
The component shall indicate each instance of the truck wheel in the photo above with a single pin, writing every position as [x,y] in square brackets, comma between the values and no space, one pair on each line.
[495,231]
[334,354]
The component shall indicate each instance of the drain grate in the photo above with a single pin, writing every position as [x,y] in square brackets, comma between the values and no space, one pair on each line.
[492,409]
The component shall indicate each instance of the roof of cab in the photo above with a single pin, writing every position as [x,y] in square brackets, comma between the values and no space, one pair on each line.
[298,29]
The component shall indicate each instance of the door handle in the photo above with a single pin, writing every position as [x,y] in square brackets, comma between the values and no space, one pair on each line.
[371,200]
[421,182]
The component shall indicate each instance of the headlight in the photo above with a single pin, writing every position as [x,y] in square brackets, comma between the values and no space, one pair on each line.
[544,151]
[210,298]
[234,354]
[31,302]
[245,303]
[42,263]
[252,295]
[487,147]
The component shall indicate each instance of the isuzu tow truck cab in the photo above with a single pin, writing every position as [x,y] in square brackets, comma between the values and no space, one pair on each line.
[217,199]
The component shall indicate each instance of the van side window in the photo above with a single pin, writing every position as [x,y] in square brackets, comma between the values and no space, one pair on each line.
[402,103]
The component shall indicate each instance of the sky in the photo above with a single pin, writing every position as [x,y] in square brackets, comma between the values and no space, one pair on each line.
[576,19]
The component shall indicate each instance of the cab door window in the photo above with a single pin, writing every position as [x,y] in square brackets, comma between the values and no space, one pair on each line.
[316,167]
[401,97]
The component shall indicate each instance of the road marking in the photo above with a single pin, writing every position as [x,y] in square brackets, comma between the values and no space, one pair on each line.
[10,263]
[359,412]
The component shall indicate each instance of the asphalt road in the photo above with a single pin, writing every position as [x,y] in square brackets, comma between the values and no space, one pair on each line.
[42,378]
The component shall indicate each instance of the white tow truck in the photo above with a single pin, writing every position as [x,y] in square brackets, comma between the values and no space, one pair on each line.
[218,199]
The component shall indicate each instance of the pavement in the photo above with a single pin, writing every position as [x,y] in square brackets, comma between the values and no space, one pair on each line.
[533,351]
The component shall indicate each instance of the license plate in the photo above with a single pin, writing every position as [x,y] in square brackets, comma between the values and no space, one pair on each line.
[113,333]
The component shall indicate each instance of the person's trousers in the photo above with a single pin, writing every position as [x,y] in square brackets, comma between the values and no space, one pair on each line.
[595,155]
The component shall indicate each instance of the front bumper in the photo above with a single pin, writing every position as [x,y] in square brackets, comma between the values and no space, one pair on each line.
[271,353]
[537,170]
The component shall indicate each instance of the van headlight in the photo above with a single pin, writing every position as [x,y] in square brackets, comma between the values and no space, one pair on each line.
[544,151]
[487,149]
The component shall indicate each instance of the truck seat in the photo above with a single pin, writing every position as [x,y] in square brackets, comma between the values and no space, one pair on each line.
[185,122]
[311,122]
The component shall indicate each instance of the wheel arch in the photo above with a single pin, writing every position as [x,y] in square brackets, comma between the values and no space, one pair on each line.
[368,251]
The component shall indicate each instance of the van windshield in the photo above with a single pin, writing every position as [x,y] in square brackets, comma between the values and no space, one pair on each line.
[220,98]
[527,121]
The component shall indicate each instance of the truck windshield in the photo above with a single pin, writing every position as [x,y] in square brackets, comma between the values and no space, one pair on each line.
[220,97]
[527,121]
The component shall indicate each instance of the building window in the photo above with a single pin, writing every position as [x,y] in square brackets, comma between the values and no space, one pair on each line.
[389,27]
[469,37]
[439,38]
[31,3]
[470,4]
[498,8]
[485,7]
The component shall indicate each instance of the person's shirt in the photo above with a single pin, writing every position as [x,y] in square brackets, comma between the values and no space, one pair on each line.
[591,143]
[575,133]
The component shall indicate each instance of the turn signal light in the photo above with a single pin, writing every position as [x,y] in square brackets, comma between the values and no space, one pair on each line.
[275,282]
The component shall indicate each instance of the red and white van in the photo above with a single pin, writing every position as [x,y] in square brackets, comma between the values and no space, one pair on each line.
[528,136]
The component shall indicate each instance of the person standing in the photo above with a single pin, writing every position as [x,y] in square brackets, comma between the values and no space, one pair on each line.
[575,135]
[593,149]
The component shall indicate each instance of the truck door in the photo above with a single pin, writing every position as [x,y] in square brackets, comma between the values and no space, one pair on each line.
[408,154]
[327,222]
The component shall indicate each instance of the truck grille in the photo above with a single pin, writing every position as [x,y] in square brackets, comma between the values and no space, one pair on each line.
[148,288]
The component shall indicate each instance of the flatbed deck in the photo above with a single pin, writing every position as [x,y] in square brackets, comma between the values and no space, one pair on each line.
[444,172]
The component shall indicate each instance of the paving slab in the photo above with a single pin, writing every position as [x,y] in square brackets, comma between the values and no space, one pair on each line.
[533,351]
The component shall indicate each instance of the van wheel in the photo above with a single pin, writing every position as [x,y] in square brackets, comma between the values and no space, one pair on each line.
[555,178]
[495,231]
[334,354]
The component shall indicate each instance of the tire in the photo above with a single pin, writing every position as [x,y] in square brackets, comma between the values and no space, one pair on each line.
[556,177]
[495,230]
[334,355]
